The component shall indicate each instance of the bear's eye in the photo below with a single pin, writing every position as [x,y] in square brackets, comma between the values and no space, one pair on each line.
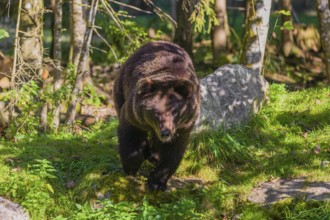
[147,88]
[183,90]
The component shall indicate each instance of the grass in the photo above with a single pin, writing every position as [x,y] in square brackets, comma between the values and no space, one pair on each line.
[79,176]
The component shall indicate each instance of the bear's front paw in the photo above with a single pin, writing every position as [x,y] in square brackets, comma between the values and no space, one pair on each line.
[156,185]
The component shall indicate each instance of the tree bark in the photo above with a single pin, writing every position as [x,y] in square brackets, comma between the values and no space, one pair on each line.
[220,32]
[288,45]
[31,48]
[287,35]
[78,29]
[255,38]
[71,113]
[323,11]
[31,44]
[53,9]
[57,59]
[184,30]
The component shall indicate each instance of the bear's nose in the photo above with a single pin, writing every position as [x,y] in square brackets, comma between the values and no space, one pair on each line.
[165,132]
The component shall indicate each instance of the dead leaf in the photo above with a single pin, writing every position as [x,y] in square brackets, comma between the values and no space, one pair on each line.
[305,135]
[317,149]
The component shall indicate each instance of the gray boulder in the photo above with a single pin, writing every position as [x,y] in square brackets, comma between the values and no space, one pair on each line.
[229,97]
[11,211]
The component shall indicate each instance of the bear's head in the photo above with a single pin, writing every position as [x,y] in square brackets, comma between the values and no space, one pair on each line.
[166,104]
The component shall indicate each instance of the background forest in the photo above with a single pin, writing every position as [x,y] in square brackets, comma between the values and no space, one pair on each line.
[58,149]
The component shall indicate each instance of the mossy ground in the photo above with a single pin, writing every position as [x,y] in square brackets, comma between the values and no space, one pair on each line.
[79,176]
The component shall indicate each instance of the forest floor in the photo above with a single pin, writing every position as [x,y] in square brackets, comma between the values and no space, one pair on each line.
[79,176]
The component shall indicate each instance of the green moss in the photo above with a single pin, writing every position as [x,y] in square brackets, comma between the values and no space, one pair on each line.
[65,175]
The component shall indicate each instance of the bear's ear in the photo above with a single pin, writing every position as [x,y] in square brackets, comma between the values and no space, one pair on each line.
[184,88]
[145,86]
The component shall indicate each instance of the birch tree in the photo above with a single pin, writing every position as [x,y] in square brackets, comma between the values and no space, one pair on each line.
[30,49]
[57,55]
[78,86]
[255,38]
[30,41]
[78,28]
[323,11]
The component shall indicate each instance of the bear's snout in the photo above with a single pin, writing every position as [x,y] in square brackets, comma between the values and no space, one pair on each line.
[165,133]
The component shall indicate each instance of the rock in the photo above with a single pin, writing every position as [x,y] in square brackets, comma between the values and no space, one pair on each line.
[89,120]
[5,83]
[229,97]
[277,190]
[11,211]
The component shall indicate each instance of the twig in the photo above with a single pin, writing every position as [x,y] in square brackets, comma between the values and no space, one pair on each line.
[116,20]
[130,6]
[159,11]
[106,42]
[110,12]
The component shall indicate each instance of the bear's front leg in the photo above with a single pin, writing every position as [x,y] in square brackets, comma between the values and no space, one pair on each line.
[171,154]
[132,144]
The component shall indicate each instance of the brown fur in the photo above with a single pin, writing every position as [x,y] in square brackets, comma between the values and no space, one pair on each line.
[157,101]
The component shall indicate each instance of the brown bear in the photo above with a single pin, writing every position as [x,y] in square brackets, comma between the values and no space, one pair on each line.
[156,97]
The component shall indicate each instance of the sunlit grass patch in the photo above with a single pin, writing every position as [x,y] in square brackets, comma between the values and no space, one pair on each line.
[79,176]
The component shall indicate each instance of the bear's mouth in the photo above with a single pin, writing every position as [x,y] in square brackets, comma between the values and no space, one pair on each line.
[165,139]
[165,135]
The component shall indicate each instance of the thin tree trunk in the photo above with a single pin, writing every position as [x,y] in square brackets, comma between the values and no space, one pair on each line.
[288,45]
[255,38]
[14,70]
[78,30]
[220,32]
[287,35]
[31,44]
[57,59]
[323,11]
[31,48]
[53,9]
[71,113]
[184,30]
[173,8]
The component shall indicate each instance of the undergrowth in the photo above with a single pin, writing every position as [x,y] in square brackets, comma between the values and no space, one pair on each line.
[79,176]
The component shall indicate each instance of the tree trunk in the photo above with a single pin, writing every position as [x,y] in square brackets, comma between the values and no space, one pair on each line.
[255,38]
[174,8]
[57,59]
[71,113]
[287,35]
[288,45]
[31,48]
[78,29]
[220,32]
[31,44]
[53,9]
[323,11]
[184,30]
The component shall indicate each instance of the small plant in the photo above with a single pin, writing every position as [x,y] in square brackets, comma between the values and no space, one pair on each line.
[3,34]
[26,101]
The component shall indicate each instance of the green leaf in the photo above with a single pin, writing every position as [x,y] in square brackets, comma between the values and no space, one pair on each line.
[3,34]
[50,188]
[283,12]
[287,26]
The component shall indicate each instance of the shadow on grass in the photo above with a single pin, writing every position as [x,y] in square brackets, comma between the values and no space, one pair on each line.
[306,120]
[87,167]
[277,150]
